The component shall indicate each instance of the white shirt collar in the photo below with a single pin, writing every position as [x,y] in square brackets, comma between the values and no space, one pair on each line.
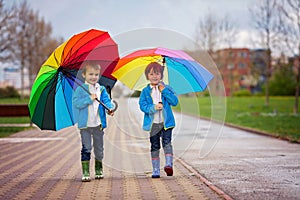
[153,86]
[97,85]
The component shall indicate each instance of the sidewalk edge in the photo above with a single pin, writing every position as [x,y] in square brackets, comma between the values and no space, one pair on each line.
[204,180]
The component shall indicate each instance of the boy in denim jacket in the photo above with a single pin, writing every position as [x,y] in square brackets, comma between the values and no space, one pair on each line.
[91,118]
[155,101]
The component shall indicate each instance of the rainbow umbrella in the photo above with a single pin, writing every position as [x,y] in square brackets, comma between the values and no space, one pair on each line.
[50,103]
[181,72]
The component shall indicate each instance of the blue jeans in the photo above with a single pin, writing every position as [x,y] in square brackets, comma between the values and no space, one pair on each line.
[86,140]
[157,132]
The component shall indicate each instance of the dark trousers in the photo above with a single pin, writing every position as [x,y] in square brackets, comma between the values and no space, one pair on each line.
[157,132]
[92,137]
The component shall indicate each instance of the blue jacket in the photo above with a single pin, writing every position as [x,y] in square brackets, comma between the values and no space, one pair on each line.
[146,105]
[81,101]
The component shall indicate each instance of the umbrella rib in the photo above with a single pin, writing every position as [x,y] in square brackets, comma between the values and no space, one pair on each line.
[143,58]
[70,51]
[78,58]
[70,114]
[99,36]
[176,63]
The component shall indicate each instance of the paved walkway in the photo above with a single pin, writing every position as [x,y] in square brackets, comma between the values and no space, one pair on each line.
[46,165]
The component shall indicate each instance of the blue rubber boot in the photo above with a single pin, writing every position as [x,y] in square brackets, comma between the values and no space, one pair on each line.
[156,168]
[169,165]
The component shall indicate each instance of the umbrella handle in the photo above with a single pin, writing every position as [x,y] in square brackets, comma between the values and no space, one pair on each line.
[116,106]
[113,110]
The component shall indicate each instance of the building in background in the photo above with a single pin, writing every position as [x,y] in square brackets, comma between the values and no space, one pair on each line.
[234,65]
[10,75]
[241,68]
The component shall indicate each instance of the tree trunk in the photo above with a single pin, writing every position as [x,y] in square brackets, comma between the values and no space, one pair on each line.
[22,70]
[268,74]
[297,85]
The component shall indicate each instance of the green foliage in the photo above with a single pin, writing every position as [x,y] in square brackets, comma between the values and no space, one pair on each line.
[14,100]
[259,94]
[136,94]
[242,93]
[7,131]
[9,92]
[206,93]
[283,83]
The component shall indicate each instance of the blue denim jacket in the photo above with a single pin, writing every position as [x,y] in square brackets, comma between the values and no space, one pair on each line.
[81,101]
[146,105]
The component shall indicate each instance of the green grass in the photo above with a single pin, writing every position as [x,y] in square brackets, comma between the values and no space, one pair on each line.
[14,120]
[276,119]
[6,131]
[13,101]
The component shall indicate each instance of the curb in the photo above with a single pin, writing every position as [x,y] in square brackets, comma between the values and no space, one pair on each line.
[217,190]
[255,131]
[16,125]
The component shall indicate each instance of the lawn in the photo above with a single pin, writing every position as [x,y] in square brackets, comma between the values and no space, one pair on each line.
[276,119]
[8,130]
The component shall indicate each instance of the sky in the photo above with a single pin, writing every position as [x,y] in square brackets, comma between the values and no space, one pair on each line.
[69,17]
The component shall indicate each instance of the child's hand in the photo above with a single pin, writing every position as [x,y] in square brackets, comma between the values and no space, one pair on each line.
[158,106]
[93,96]
[161,86]
[111,113]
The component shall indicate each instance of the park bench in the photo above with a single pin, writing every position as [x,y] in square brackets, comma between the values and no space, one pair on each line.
[14,110]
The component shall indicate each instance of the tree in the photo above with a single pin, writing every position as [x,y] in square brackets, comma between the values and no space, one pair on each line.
[6,16]
[282,82]
[228,31]
[228,36]
[32,42]
[265,17]
[290,33]
[207,32]
[211,32]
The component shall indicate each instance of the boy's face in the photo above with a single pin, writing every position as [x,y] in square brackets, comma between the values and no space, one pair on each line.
[154,77]
[91,75]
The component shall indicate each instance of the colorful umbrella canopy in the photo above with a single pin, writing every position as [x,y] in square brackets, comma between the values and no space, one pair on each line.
[181,71]
[50,103]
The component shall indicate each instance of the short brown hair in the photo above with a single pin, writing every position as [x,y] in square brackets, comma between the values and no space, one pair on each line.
[156,68]
[92,64]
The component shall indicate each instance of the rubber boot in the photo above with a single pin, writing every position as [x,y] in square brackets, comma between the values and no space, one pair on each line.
[98,169]
[169,165]
[85,171]
[156,168]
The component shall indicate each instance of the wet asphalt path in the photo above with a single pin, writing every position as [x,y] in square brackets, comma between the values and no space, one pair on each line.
[242,164]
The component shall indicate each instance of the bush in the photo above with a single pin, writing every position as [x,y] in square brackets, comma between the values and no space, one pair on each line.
[259,94]
[242,93]
[9,92]
[282,83]
[135,94]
